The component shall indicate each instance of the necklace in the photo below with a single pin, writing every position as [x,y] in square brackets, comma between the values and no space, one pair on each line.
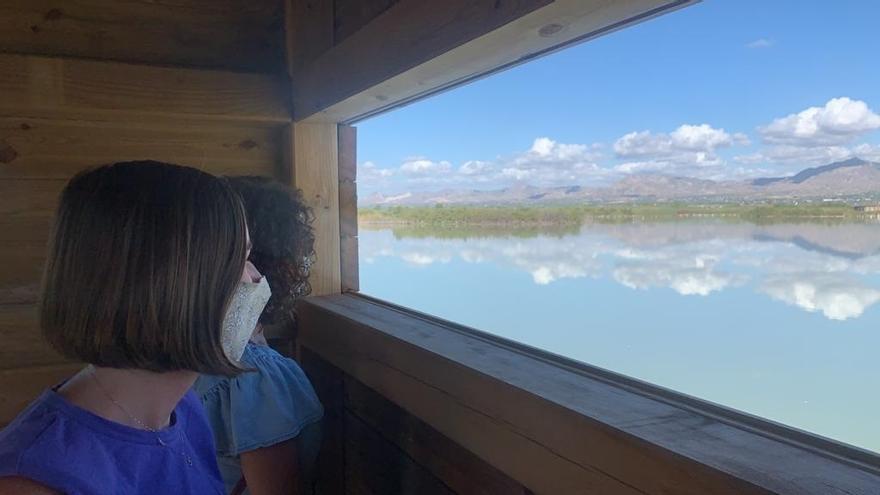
[136,420]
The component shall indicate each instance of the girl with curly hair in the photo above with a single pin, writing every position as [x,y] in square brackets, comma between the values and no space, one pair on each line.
[266,422]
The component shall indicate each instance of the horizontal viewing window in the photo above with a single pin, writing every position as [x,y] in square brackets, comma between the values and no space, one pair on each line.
[693,202]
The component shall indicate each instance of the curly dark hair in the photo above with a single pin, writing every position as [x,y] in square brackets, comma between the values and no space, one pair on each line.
[283,242]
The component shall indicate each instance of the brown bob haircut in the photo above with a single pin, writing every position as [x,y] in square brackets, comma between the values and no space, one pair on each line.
[143,261]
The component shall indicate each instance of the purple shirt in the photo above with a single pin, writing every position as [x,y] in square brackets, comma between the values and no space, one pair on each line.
[71,450]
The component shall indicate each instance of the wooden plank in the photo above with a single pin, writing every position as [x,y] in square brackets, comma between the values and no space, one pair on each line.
[23,344]
[403,37]
[21,271]
[491,438]
[21,386]
[56,149]
[351,15]
[33,86]
[316,173]
[52,151]
[328,383]
[232,34]
[27,207]
[348,233]
[375,466]
[533,415]
[309,31]
[349,264]
[44,153]
[456,467]
[425,51]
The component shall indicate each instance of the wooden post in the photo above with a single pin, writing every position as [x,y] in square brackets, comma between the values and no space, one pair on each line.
[315,170]
[348,227]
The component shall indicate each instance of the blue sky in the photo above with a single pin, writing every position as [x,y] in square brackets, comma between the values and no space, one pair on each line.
[723,89]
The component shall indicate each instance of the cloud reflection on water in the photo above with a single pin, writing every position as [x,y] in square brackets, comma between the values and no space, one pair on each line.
[816,267]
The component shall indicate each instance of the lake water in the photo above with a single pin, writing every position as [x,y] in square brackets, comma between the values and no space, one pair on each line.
[781,320]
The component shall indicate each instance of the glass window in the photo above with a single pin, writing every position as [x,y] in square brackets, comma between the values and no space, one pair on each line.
[693,201]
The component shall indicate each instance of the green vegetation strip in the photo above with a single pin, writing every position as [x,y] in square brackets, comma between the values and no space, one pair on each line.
[576,214]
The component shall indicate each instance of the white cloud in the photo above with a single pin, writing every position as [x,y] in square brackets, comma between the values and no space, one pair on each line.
[814,136]
[545,163]
[474,167]
[704,137]
[797,155]
[838,122]
[685,275]
[690,259]
[701,138]
[817,136]
[550,162]
[635,167]
[760,43]
[549,149]
[684,151]
[518,173]
[865,151]
[423,166]
[425,259]
[834,295]
[368,171]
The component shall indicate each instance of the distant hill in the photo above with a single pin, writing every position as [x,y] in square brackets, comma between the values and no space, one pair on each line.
[803,175]
[846,179]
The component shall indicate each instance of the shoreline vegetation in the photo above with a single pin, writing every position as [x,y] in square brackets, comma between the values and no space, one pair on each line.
[569,215]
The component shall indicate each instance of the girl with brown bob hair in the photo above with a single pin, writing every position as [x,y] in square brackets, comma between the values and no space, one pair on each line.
[146,261]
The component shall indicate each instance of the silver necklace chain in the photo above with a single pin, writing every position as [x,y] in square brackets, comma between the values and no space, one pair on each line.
[137,421]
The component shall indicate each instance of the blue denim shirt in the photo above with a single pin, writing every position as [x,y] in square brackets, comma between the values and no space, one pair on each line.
[270,405]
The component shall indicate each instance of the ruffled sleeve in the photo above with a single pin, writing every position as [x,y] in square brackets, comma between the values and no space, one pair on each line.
[259,408]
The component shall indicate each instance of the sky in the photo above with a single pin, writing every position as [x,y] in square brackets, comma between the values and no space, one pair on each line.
[724,89]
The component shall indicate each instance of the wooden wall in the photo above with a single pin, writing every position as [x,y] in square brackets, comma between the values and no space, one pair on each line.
[83,106]
[241,35]
[374,447]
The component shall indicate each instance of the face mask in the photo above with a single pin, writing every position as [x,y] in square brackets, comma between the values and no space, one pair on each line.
[241,318]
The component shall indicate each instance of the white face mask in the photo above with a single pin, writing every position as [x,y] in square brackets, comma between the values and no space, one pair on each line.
[241,318]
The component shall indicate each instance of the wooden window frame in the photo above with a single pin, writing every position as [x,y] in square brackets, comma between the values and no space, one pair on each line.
[560,426]
[551,423]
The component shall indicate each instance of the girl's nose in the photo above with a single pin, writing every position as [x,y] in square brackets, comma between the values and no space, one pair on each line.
[251,274]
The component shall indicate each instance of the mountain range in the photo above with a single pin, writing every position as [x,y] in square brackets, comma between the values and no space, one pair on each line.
[853,178]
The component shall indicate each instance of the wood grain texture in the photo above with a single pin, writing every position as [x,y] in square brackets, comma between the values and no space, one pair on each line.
[33,86]
[56,149]
[48,152]
[348,233]
[21,386]
[404,36]
[328,383]
[23,344]
[375,466]
[309,32]
[522,458]
[383,449]
[27,208]
[460,470]
[340,86]
[316,173]
[349,16]
[564,428]
[21,271]
[231,34]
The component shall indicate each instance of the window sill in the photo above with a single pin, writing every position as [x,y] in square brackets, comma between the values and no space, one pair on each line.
[559,426]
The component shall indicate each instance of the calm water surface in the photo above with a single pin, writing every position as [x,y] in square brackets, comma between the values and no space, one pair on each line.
[780,321]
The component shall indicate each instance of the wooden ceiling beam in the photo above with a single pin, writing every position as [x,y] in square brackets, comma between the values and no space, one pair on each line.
[412,50]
